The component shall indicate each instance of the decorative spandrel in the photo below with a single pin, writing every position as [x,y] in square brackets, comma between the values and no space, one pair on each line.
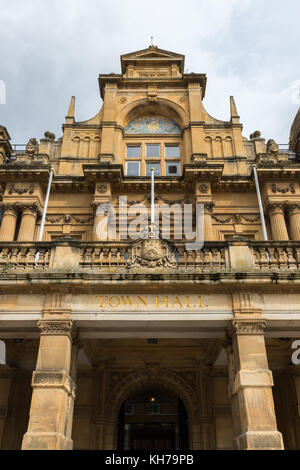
[152,125]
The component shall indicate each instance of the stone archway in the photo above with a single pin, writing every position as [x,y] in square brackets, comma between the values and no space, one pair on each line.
[148,378]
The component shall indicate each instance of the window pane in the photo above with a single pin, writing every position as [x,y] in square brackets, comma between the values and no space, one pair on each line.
[153,150]
[172,168]
[156,166]
[133,151]
[172,151]
[133,168]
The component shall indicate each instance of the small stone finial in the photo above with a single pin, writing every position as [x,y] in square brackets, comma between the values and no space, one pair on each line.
[235,118]
[70,118]
[49,135]
[255,135]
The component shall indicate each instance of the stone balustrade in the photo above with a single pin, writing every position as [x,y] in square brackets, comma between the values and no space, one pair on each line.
[215,257]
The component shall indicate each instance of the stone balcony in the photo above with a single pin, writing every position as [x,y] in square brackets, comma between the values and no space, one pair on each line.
[236,260]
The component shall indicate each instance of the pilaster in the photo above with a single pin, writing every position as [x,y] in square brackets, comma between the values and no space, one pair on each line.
[51,411]
[250,387]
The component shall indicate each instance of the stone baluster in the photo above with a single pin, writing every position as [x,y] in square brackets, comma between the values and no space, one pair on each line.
[278,225]
[250,387]
[294,218]
[28,221]
[8,224]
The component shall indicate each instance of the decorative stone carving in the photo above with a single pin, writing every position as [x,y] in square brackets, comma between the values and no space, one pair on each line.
[152,94]
[203,188]
[209,207]
[20,206]
[49,135]
[283,189]
[68,219]
[265,159]
[272,147]
[152,253]
[55,327]
[294,207]
[32,147]
[275,207]
[102,188]
[249,327]
[255,135]
[12,189]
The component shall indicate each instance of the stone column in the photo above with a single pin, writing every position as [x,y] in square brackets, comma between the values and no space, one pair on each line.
[27,226]
[51,411]
[8,224]
[250,387]
[278,225]
[294,217]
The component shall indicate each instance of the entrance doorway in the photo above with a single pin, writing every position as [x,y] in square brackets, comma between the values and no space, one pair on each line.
[153,420]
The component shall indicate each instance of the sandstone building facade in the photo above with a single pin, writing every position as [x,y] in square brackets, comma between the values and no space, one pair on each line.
[143,344]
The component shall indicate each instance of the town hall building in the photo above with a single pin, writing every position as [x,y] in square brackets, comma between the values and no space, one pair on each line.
[114,341]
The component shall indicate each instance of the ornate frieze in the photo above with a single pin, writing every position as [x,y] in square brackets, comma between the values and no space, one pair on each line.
[67,219]
[290,188]
[12,189]
[236,219]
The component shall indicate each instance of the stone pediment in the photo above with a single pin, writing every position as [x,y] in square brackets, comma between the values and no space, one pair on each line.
[151,55]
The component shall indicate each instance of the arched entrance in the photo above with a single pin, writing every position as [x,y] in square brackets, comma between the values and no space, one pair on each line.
[153,420]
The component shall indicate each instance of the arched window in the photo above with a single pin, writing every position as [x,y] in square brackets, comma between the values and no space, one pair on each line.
[152,141]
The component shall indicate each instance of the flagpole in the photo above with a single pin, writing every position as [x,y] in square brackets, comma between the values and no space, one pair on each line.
[261,210]
[152,198]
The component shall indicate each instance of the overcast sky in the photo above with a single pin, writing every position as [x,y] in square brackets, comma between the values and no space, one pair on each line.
[52,49]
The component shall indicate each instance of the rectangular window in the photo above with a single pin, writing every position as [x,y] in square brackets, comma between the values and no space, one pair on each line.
[154,408]
[133,151]
[133,168]
[172,151]
[156,167]
[153,150]
[172,169]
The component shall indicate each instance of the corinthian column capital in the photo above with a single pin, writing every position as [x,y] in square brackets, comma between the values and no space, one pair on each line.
[56,327]
[247,327]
